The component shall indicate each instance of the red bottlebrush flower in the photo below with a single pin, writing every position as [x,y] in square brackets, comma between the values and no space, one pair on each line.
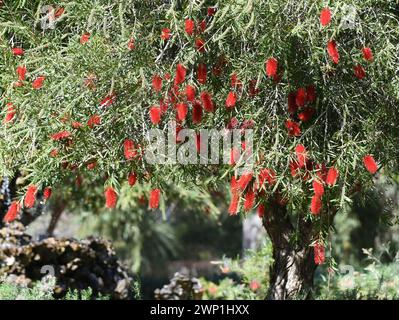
[12,212]
[17,51]
[325,17]
[110,197]
[301,155]
[271,67]
[60,135]
[165,34]
[10,113]
[132,178]
[370,164]
[294,168]
[154,198]
[319,253]
[293,128]
[200,45]
[254,285]
[231,100]
[316,204]
[30,196]
[235,82]
[108,100]
[93,121]
[163,105]
[21,72]
[189,26]
[54,153]
[180,74]
[322,172]
[155,115]
[311,93]
[202,26]
[91,165]
[129,149]
[190,93]
[332,176]
[261,211]
[359,71]
[197,112]
[76,124]
[247,124]
[157,83]
[234,155]
[47,192]
[252,88]
[300,97]
[333,51]
[367,54]
[267,175]
[306,114]
[211,11]
[84,38]
[38,82]
[233,123]
[131,44]
[182,111]
[318,187]
[201,73]
[249,200]
[59,12]
[244,180]
[292,107]
[207,102]
[233,207]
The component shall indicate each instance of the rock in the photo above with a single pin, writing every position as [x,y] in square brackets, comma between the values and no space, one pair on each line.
[75,264]
[180,288]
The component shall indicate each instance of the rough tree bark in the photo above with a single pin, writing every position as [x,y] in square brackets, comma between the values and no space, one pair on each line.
[291,275]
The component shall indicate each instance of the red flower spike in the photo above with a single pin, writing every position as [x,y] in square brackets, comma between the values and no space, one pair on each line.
[93,121]
[132,178]
[231,100]
[165,34]
[332,176]
[76,124]
[318,187]
[180,74]
[111,197]
[316,204]
[30,196]
[157,83]
[234,155]
[311,93]
[319,253]
[367,54]
[370,164]
[300,98]
[131,44]
[38,82]
[249,200]
[108,100]
[207,102]
[267,175]
[293,128]
[244,180]
[359,72]
[271,67]
[211,11]
[60,135]
[154,198]
[84,38]
[182,111]
[325,17]
[261,211]
[190,93]
[301,155]
[129,149]
[306,114]
[197,112]
[333,51]
[200,45]
[12,212]
[47,192]
[155,115]
[189,26]
[233,208]
[202,26]
[10,113]
[17,51]
[21,72]
[201,73]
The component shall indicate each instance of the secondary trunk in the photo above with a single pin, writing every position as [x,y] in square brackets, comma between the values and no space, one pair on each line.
[291,275]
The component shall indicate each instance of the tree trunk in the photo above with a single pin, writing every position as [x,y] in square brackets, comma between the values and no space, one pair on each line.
[291,275]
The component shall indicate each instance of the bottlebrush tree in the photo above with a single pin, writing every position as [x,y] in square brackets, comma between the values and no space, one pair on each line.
[83,82]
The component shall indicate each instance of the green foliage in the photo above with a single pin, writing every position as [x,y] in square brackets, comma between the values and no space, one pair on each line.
[247,278]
